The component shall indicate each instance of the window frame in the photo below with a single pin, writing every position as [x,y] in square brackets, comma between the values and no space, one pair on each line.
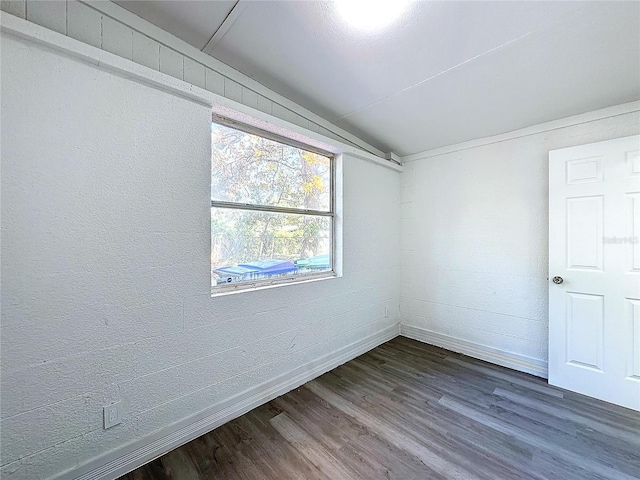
[224,289]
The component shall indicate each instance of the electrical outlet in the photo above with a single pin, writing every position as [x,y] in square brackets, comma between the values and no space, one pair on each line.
[386,312]
[111,414]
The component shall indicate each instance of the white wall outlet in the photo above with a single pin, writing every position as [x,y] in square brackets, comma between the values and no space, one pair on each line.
[386,312]
[111,414]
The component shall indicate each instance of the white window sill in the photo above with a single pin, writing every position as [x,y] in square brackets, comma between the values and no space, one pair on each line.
[230,289]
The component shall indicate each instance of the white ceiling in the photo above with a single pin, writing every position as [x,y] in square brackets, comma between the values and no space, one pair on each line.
[445,72]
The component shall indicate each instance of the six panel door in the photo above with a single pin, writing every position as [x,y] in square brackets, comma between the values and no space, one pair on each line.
[594,270]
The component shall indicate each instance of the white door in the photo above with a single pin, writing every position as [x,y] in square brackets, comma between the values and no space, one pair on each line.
[594,255]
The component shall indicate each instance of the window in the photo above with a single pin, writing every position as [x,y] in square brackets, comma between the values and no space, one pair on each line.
[272,209]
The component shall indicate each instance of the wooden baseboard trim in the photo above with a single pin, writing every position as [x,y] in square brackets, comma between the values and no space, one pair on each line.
[489,354]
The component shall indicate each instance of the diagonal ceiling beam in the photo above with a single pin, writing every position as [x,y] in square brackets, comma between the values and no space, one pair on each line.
[224,26]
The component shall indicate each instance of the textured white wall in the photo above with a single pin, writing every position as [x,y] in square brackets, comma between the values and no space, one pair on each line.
[105,267]
[474,248]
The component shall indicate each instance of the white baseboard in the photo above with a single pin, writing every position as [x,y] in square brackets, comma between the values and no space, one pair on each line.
[493,355]
[134,455]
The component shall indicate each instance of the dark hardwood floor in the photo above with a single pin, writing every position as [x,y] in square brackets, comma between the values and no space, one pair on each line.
[407,410]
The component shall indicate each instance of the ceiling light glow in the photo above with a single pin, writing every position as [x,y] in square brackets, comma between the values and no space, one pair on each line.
[370,14]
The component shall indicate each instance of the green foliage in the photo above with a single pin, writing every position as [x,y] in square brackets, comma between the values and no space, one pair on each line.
[246,168]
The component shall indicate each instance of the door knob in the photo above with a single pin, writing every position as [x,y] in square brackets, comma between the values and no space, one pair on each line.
[558,280]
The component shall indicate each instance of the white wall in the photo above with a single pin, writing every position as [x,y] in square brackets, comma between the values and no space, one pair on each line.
[474,251]
[105,267]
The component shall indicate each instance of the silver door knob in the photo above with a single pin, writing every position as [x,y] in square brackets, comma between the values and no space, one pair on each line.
[558,280]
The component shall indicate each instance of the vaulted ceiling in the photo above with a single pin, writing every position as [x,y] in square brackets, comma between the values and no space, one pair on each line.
[442,73]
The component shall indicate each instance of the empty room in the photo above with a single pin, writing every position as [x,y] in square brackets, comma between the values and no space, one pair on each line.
[325,240]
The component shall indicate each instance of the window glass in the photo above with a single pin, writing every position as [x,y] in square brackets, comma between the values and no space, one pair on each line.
[247,168]
[285,244]
[271,217]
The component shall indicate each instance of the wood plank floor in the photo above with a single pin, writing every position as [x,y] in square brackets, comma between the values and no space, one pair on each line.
[407,410]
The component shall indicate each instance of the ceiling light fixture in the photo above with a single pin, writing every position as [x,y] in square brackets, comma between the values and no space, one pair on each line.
[370,14]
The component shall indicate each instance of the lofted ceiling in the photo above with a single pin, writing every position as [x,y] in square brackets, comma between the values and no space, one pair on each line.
[443,73]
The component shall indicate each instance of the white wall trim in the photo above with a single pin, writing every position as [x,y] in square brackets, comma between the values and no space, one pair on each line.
[132,456]
[26,30]
[489,354]
[123,15]
[588,117]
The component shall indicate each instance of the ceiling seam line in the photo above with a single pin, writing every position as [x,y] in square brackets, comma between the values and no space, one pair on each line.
[421,82]
[439,74]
